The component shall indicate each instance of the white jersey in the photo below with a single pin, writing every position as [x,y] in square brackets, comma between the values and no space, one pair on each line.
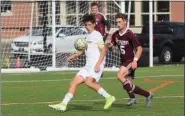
[95,42]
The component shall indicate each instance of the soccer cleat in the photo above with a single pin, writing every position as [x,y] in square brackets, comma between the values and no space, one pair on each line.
[60,107]
[109,102]
[132,101]
[149,100]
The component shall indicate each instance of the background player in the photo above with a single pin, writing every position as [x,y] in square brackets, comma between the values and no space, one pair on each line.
[131,51]
[101,20]
[91,73]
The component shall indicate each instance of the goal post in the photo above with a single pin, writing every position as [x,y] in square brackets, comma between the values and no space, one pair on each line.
[53,32]
[151,33]
[129,11]
[31,25]
[0,57]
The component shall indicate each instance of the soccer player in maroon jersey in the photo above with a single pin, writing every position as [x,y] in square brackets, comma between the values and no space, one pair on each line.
[131,51]
[101,20]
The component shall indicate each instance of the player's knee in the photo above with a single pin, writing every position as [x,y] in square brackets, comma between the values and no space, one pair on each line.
[119,75]
[88,82]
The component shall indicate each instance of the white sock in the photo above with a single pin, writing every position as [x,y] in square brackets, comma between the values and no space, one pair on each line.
[103,93]
[67,98]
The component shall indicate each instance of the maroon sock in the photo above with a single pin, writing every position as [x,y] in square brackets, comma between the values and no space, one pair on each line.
[128,88]
[140,91]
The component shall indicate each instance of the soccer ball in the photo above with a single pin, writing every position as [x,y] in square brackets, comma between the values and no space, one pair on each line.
[80,44]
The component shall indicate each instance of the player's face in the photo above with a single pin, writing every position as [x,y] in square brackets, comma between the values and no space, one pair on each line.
[94,9]
[89,26]
[121,23]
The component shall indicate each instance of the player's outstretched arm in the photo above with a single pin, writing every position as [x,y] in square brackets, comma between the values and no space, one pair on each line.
[74,56]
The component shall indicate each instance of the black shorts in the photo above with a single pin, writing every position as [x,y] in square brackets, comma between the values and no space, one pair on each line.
[131,72]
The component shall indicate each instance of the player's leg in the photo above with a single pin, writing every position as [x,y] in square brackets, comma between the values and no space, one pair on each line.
[92,83]
[71,91]
[131,100]
[72,88]
[140,91]
[121,75]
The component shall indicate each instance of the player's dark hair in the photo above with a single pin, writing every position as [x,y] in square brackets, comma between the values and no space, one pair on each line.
[121,15]
[89,17]
[94,4]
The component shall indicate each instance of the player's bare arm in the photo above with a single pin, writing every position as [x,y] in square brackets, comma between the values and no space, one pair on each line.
[102,55]
[137,56]
[74,56]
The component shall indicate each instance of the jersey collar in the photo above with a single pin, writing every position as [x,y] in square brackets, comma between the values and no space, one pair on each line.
[121,34]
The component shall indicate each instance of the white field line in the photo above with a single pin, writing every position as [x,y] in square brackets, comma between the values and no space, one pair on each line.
[73,72]
[108,78]
[92,100]
[116,71]
[44,72]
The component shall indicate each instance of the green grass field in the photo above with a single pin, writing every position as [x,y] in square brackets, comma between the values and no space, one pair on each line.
[30,94]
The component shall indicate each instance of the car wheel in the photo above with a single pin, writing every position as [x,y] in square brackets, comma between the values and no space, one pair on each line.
[166,55]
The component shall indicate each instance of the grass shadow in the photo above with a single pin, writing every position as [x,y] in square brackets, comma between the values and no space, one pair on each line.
[79,107]
[124,106]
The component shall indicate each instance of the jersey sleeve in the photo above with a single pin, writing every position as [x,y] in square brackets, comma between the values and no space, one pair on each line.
[134,40]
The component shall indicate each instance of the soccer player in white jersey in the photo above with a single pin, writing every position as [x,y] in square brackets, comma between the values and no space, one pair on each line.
[91,73]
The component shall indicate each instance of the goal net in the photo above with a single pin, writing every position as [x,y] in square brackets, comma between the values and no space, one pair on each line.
[40,34]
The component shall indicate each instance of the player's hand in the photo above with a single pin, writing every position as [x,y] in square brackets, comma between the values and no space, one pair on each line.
[108,45]
[97,67]
[134,64]
[71,58]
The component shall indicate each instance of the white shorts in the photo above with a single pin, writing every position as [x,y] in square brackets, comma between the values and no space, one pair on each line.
[90,72]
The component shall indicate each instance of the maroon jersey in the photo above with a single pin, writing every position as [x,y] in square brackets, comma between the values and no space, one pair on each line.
[101,22]
[126,43]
